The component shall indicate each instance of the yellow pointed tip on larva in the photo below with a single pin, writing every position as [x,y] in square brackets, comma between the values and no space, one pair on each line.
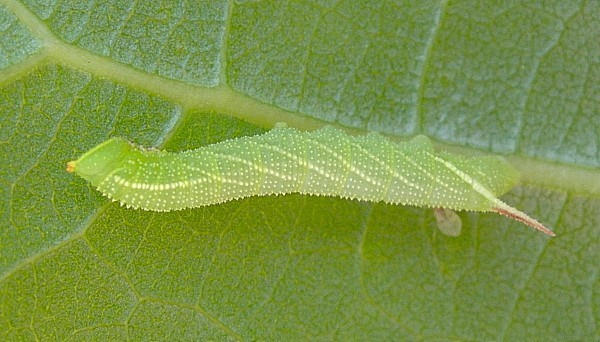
[517,215]
[71,166]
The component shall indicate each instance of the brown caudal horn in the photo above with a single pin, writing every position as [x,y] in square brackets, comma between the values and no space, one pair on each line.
[515,214]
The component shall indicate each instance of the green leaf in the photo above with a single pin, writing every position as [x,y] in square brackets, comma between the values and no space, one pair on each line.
[518,78]
[17,43]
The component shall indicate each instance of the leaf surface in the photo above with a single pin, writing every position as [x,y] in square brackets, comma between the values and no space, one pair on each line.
[514,78]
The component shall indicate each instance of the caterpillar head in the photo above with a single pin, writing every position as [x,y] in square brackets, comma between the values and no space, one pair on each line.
[95,164]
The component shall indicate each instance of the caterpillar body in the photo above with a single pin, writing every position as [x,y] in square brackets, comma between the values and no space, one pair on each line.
[325,162]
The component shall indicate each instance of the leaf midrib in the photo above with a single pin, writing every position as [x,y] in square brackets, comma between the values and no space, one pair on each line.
[224,100]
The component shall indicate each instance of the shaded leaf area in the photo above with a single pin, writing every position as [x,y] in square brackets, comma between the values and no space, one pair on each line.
[501,76]
[174,39]
[300,267]
[355,63]
[512,78]
[53,115]
[16,41]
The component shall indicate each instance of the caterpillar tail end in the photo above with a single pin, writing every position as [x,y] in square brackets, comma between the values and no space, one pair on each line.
[515,214]
[71,166]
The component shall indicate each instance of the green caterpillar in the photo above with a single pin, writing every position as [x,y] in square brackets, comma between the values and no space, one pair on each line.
[325,162]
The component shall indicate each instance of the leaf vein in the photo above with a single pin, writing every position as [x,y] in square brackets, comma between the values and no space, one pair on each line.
[527,279]
[426,61]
